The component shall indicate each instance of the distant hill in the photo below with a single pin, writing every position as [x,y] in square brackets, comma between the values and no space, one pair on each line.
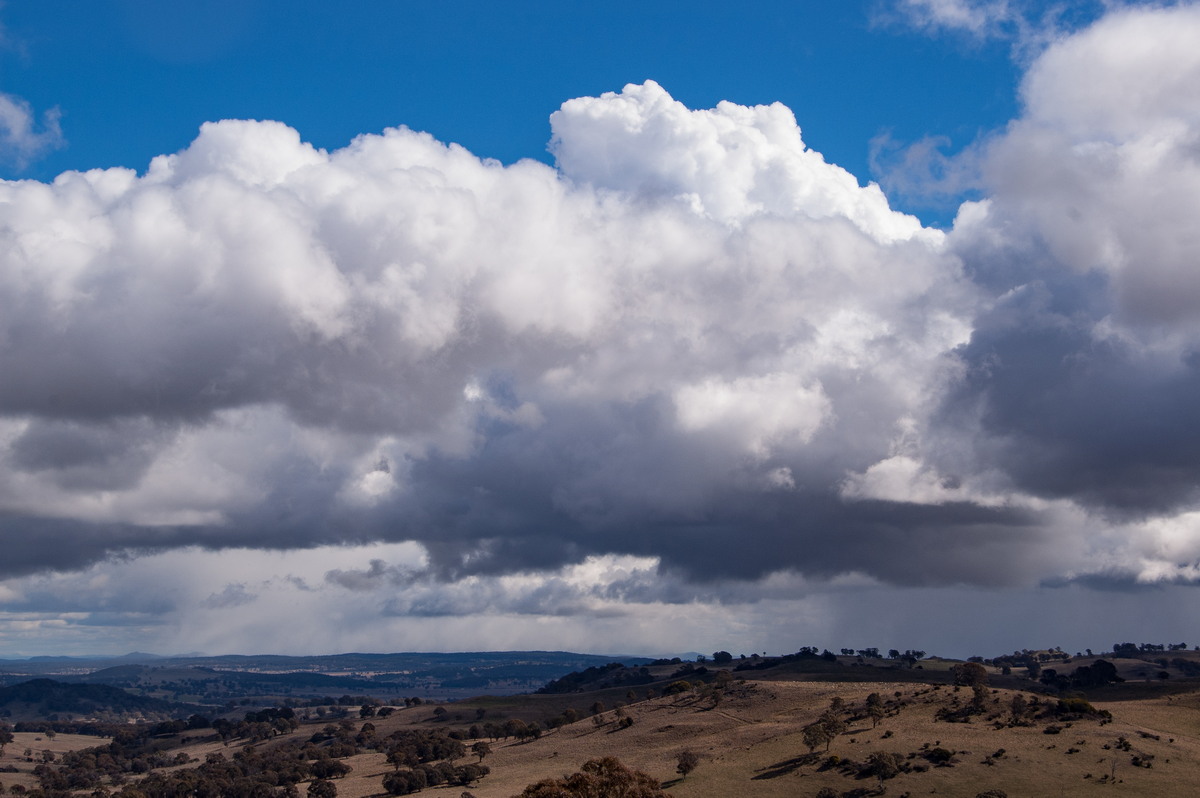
[41,698]
[218,680]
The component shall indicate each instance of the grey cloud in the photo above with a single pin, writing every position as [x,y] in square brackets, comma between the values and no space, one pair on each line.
[107,456]
[1080,380]
[1067,415]
[378,573]
[234,595]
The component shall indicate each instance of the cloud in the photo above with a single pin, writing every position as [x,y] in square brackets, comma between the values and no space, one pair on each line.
[691,365]
[234,595]
[976,17]
[1078,376]
[549,363]
[22,137]
[925,173]
[1030,28]
[103,609]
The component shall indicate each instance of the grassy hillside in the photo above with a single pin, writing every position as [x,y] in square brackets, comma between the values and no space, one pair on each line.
[750,741]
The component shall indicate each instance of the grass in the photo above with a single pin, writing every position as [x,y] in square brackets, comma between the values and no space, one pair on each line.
[751,743]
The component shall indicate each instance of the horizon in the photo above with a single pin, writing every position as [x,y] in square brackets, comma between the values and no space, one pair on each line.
[687,656]
[586,329]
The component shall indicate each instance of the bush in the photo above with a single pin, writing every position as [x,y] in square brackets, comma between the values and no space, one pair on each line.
[1079,706]
[939,756]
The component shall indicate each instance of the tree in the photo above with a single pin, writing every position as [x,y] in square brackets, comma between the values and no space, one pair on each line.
[326,768]
[833,725]
[598,777]
[1018,708]
[481,749]
[815,735]
[685,762]
[322,788]
[885,765]
[403,782]
[875,710]
[969,674]
[6,737]
[979,695]
[722,657]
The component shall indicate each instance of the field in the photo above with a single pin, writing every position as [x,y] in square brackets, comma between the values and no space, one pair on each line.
[752,745]
[750,742]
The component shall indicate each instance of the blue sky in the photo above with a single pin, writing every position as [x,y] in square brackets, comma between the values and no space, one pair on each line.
[136,79]
[636,328]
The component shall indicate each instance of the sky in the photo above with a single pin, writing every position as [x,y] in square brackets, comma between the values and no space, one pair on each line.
[619,328]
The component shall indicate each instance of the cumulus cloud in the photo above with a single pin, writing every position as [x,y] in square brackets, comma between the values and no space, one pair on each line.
[693,362]
[695,322]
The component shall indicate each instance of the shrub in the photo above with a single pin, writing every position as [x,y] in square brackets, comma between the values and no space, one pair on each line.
[939,756]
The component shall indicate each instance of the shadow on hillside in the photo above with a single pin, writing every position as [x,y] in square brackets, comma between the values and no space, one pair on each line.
[787,766]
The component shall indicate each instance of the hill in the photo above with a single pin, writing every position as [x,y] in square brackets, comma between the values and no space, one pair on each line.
[42,699]
[216,680]
[749,736]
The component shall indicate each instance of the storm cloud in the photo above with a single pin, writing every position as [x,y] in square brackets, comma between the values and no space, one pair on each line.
[692,348]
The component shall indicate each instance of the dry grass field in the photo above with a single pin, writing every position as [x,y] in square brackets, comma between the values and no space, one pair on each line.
[36,744]
[751,744]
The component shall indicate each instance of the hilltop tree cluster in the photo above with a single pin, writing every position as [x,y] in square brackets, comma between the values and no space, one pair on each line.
[598,677]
